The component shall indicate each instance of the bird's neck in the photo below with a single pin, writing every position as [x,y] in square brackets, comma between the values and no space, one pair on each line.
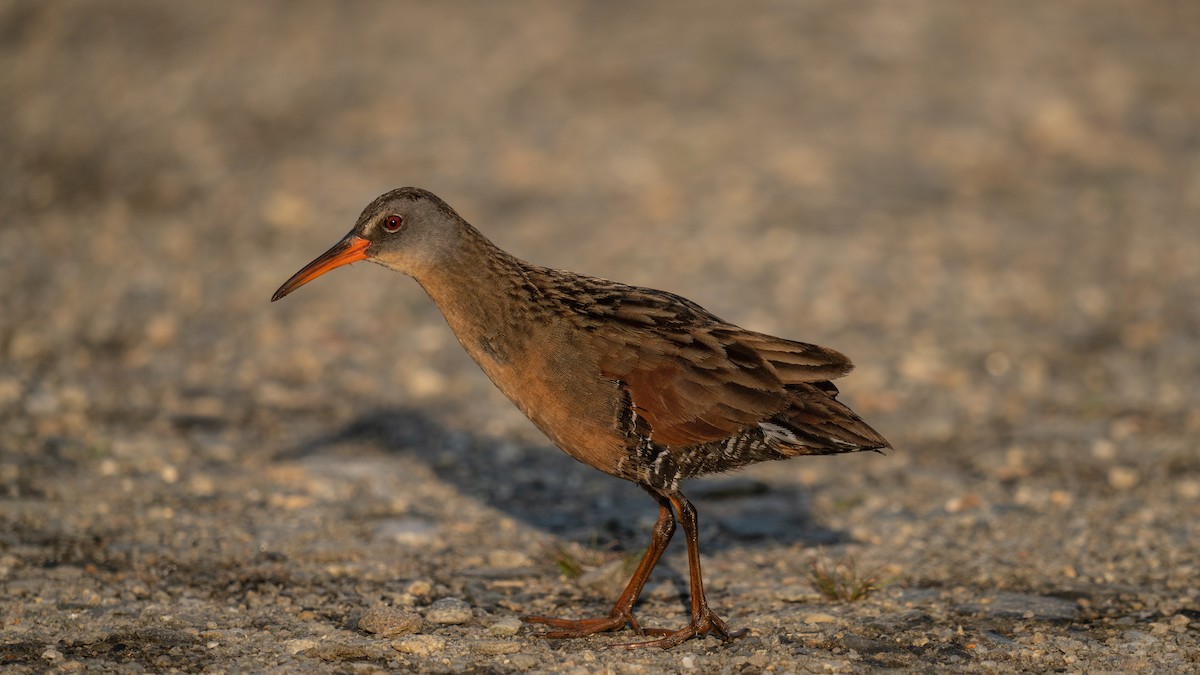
[480,290]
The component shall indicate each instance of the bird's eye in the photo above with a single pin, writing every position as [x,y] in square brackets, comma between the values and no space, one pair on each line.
[393,223]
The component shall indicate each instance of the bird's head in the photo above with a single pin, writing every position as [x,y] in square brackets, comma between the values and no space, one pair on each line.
[406,229]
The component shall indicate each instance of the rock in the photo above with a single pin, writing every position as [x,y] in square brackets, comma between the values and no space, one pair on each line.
[300,645]
[496,647]
[1123,478]
[820,617]
[420,645]
[419,588]
[997,638]
[449,611]
[506,627]
[523,661]
[409,531]
[337,651]
[389,621]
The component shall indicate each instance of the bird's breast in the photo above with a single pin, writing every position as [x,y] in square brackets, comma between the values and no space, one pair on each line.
[534,353]
[555,381]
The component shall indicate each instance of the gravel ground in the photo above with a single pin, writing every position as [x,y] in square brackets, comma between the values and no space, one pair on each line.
[990,206]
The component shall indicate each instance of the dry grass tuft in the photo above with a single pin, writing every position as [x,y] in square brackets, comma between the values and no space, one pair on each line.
[842,581]
[574,560]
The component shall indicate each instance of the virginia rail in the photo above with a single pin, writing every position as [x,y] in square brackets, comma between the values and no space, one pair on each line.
[638,383]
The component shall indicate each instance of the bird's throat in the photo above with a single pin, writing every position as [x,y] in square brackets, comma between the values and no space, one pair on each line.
[475,292]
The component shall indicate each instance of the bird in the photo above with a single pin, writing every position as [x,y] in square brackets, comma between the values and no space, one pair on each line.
[641,384]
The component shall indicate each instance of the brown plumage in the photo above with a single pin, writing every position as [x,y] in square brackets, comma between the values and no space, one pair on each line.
[639,383]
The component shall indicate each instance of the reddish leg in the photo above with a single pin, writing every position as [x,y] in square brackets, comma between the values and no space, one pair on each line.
[622,612]
[704,620]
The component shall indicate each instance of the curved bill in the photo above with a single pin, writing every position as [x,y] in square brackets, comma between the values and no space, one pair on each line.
[351,249]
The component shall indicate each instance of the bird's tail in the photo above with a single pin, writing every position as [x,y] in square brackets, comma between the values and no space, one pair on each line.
[818,424]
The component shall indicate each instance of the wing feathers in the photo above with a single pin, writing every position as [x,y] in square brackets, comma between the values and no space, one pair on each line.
[696,379]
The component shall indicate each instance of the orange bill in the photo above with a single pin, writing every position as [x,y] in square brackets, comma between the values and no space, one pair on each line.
[351,249]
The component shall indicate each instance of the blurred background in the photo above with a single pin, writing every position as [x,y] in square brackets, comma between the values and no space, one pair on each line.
[991,207]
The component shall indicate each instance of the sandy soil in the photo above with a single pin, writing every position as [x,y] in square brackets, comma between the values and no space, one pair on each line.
[991,206]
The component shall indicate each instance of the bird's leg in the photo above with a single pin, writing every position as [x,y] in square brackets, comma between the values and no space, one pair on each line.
[704,620]
[622,612]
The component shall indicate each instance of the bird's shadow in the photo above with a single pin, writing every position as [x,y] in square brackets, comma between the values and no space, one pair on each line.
[542,486]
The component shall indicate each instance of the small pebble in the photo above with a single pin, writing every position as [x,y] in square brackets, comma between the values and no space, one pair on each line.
[1123,478]
[523,661]
[389,621]
[297,646]
[449,611]
[420,645]
[419,587]
[337,651]
[506,627]
[819,617]
[410,531]
[496,647]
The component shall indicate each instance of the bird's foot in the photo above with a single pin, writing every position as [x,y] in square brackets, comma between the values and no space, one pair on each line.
[576,628]
[707,623]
